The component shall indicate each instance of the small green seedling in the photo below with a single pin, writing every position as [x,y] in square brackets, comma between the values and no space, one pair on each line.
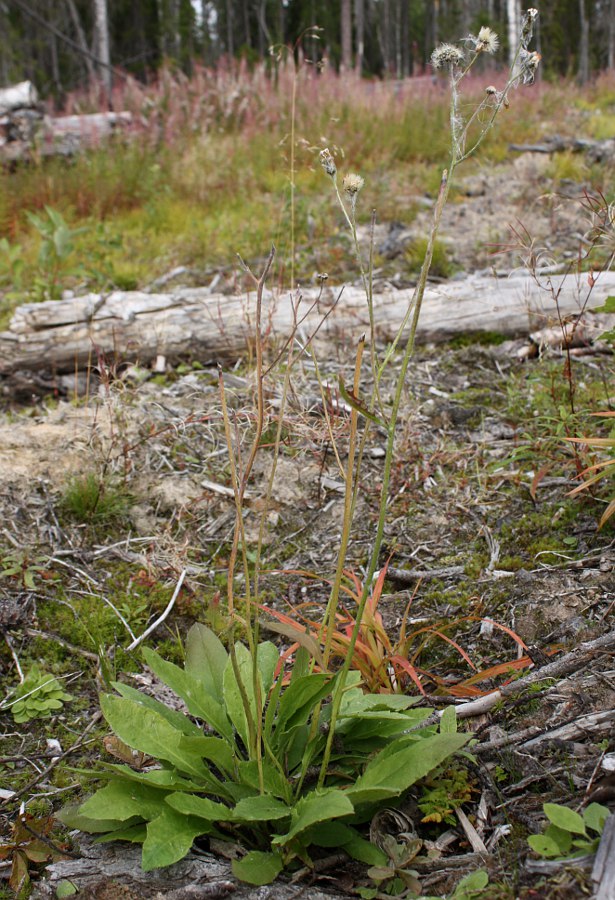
[567,836]
[39,696]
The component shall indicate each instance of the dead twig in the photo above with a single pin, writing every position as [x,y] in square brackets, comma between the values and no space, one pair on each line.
[160,618]
[570,662]
[54,762]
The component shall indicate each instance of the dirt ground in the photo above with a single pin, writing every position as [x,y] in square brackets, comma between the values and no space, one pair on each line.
[481,530]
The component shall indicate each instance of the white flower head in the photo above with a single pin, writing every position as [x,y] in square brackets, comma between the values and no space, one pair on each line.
[447,54]
[352,184]
[487,41]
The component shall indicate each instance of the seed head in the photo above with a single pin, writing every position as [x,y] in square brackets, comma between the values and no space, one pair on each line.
[327,162]
[447,54]
[487,41]
[352,184]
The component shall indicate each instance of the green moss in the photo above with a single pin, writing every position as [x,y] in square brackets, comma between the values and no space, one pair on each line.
[482,339]
[95,501]
[441,264]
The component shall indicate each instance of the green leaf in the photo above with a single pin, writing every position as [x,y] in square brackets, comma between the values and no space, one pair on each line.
[272,706]
[564,818]
[355,701]
[554,842]
[301,665]
[261,809]
[257,867]
[135,834]
[402,764]
[124,800]
[595,816]
[192,691]
[297,704]
[206,659]
[362,726]
[176,719]
[72,817]
[364,851]
[448,721]
[337,834]
[214,749]
[275,784]
[147,731]
[232,695]
[164,779]
[318,806]
[607,307]
[65,888]
[202,807]
[543,845]
[268,657]
[470,884]
[170,838]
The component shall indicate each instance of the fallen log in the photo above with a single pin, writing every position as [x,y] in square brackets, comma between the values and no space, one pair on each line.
[597,151]
[195,323]
[18,96]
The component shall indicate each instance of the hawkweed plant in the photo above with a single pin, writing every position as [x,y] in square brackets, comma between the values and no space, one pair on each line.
[467,134]
[276,763]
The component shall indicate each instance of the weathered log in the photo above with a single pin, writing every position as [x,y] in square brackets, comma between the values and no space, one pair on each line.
[192,322]
[598,151]
[18,96]
[603,872]
[24,128]
[93,126]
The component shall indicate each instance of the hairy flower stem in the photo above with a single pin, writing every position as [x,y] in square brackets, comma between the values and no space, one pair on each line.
[388,461]
[349,495]
[239,482]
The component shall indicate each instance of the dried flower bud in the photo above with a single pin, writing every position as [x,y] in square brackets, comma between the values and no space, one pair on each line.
[491,89]
[527,25]
[352,184]
[327,162]
[447,54]
[528,63]
[322,277]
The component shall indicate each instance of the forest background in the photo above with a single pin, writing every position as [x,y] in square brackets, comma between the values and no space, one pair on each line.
[60,45]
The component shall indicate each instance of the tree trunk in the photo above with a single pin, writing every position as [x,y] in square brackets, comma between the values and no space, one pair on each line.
[359,20]
[583,73]
[102,34]
[85,53]
[346,35]
[514,29]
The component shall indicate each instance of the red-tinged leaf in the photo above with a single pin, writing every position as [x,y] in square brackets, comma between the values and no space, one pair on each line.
[586,484]
[509,631]
[301,637]
[400,662]
[19,878]
[606,515]
[454,644]
[463,692]
[592,441]
[540,474]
